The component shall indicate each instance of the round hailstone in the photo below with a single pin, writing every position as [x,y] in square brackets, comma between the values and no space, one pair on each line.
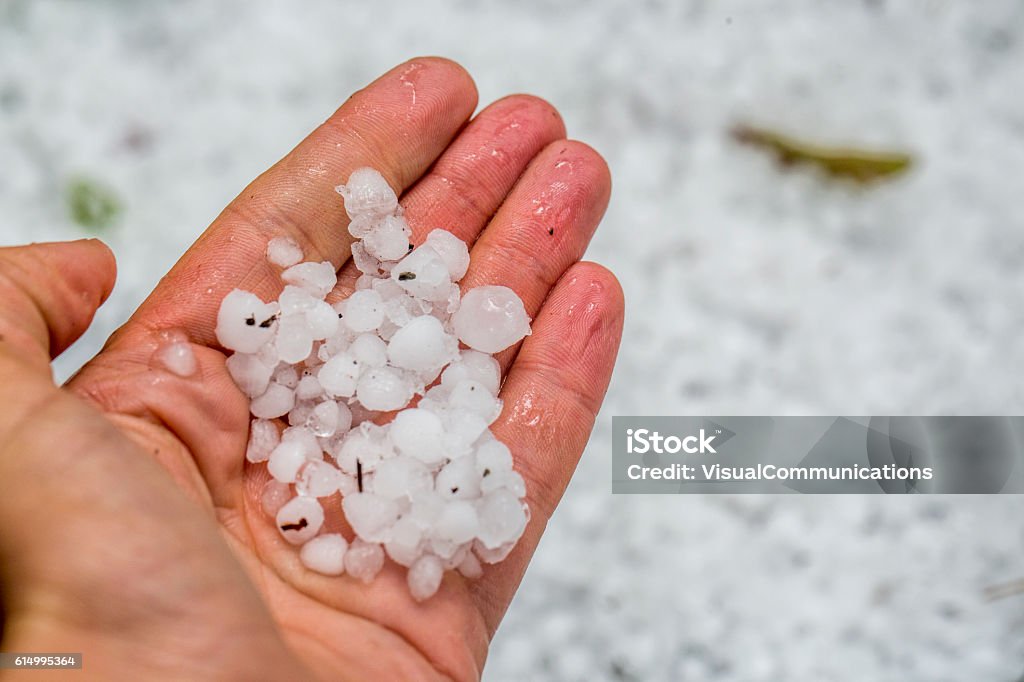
[463,429]
[422,345]
[490,319]
[305,439]
[383,389]
[286,460]
[325,554]
[316,278]
[452,250]
[276,401]
[363,560]
[295,300]
[423,275]
[283,251]
[458,480]
[249,373]
[420,434]
[470,567]
[474,397]
[367,192]
[364,446]
[294,340]
[300,519]
[502,518]
[286,375]
[369,350]
[510,480]
[244,322]
[308,388]
[424,577]
[274,496]
[404,544]
[401,477]
[263,438]
[363,311]
[339,376]
[317,479]
[177,357]
[322,320]
[370,516]
[389,240]
[457,522]
[472,364]
[493,457]
[324,419]
[425,508]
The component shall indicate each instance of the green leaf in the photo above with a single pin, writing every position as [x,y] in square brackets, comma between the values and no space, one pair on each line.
[91,204]
[860,165]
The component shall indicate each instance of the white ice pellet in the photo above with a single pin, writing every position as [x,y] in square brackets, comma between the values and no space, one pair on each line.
[263,438]
[300,519]
[323,420]
[283,251]
[474,397]
[363,311]
[325,554]
[472,364]
[502,518]
[458,480]
[176,356]
[433,489]
[317,479]
[457,522]
[423,274]
[276,401]
[294,339]
[383,389]
[286,460]
[369,350]
[420,434]
[371,516]
[389,240]
[322,320]
[249,373]
[367,192]
[401,477]
[244,322]
[490,319]
[470,567]
[452,250]
[422,345]
[316,278]
[339,375]
[308,388]
[363,560]
[425,577]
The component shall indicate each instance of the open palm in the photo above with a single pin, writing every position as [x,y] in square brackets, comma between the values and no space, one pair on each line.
[101,551]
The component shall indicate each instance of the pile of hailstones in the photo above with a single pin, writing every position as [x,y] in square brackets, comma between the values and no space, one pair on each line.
[433,489]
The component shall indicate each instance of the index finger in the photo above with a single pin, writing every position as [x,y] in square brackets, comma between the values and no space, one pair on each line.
[399,124]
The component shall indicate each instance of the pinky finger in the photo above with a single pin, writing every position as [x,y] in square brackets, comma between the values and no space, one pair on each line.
[552,394]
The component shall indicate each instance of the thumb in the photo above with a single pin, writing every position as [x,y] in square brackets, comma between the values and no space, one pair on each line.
[50,292]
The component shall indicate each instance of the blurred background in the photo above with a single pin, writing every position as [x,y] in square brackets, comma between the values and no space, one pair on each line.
[752,287]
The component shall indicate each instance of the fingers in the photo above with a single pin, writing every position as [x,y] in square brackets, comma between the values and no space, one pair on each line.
[552,395]
[543,227]
[399,124]
[469,182]
[51,292]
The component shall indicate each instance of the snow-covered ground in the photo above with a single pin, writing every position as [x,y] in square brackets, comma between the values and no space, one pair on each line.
[750,290]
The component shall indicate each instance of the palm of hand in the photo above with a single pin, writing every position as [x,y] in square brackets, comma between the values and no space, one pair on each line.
[125,563]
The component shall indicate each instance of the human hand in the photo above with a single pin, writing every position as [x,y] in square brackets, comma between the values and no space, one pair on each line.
[133,529]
